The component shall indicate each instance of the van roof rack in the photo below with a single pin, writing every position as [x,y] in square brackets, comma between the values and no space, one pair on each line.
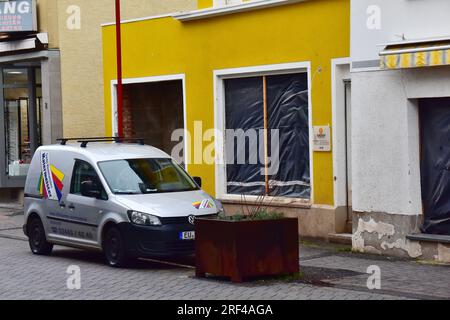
[84,141]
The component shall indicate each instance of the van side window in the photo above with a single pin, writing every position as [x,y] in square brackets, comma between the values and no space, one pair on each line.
[83,171]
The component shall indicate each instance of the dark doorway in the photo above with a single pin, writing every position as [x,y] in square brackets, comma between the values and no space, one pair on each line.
[153,110]
[435,164]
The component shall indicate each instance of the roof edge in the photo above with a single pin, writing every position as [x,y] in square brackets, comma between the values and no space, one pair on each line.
[212,12]
[220,11]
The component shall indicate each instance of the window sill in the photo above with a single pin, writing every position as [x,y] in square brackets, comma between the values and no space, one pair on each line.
[269,201]
[429,238]
[12,182]
[220,11]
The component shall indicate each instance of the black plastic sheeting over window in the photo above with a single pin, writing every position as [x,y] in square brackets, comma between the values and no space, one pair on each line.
[287,107]
[435,165]
[287,98]
[244,108]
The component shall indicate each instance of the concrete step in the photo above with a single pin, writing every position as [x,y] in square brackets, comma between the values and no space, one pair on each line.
[341,238]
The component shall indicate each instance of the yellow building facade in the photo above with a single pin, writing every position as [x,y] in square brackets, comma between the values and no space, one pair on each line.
[202,49]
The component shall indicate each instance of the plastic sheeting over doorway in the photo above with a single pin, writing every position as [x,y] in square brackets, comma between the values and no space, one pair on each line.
[284,101]
[435,165]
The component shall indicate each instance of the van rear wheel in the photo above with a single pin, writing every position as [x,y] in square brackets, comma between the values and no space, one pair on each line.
[37,239]
[114,248]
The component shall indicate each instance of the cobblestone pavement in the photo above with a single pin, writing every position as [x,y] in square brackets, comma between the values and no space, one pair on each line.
[328,272]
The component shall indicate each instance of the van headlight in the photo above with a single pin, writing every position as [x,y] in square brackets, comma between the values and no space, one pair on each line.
[143,219]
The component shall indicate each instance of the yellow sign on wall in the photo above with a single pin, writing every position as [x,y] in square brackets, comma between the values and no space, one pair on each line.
[322,139]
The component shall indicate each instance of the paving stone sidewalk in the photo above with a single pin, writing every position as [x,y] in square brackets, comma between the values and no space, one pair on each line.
[328,272]
[11,219]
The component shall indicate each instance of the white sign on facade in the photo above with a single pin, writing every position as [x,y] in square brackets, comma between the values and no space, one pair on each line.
[18,16]
[322,139]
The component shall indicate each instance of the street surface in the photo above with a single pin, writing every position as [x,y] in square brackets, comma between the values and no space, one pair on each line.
[328,272]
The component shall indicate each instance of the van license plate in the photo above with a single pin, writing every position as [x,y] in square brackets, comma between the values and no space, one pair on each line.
[188,235]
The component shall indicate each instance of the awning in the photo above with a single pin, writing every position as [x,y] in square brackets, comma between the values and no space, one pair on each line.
[415,55]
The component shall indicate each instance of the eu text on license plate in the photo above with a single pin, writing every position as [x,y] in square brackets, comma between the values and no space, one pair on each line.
[187,235]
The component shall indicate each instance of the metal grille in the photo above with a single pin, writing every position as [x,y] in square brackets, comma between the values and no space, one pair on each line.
[184,220]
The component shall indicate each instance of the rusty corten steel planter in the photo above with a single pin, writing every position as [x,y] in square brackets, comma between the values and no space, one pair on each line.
[244,249]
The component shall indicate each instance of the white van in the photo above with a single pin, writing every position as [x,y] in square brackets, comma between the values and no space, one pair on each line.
[127,199]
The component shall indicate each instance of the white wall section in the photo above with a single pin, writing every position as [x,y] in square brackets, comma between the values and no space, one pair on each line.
[376,22]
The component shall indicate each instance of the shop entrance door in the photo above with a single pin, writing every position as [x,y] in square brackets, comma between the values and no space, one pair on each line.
[435,164]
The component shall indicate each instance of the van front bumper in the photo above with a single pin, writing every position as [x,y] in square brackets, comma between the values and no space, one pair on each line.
[157,241]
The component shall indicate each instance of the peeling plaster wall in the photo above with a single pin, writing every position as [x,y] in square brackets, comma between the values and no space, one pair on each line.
[386,160]
[383,233]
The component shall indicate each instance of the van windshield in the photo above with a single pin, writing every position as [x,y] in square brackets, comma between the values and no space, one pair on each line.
[143,176]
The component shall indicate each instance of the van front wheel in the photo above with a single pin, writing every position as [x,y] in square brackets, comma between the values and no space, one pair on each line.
[114,248]
[36,238]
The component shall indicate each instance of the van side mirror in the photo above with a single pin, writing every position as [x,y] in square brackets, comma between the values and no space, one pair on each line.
[198,181]
[90,189]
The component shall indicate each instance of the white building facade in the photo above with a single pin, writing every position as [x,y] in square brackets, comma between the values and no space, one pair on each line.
[400,135]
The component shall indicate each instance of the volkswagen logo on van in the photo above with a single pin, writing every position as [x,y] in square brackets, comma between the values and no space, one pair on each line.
[191,219]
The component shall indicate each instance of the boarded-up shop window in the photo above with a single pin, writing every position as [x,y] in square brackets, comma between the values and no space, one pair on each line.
[279,103]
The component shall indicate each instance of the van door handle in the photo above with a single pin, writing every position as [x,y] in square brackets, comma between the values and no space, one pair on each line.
[62,205]
[71,207]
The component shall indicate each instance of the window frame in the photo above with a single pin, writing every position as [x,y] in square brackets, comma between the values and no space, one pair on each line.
[219,118]
[188,176]
[72,180]
[6,180]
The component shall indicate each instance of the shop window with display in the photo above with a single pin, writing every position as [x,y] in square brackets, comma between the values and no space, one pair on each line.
[22,96]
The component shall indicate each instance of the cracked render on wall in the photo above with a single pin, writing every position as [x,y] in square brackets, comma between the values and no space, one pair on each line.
[381,233]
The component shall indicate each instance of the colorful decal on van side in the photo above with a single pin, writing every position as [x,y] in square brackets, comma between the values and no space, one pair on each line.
[51,180]
[205,204]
